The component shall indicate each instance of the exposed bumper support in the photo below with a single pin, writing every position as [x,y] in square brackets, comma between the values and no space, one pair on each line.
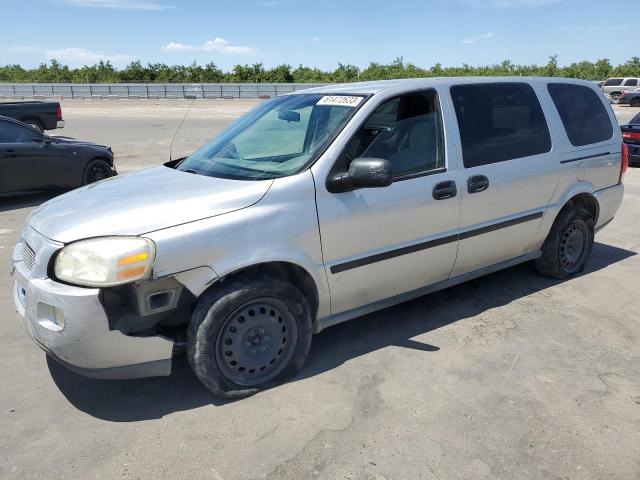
[71,325]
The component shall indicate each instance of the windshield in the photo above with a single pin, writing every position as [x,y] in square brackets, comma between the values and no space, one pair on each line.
[280,137]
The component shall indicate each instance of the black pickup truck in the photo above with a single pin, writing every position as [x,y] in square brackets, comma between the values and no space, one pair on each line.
[40,115]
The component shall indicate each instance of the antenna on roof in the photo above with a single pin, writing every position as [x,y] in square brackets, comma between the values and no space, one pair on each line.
[193,99]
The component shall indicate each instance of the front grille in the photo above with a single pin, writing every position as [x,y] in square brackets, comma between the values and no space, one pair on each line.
[28,255]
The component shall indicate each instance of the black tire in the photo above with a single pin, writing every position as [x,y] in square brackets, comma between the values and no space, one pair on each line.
[97,169]
[635,102]
[568,246]
[221,340]
[35,123]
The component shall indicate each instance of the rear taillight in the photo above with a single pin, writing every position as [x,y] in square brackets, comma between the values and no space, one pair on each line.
[624,164]
[59,112]
[635,136]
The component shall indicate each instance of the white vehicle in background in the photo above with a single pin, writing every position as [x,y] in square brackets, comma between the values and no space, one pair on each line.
[614,87]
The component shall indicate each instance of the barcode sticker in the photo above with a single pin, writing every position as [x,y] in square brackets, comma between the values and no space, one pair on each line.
[340,100]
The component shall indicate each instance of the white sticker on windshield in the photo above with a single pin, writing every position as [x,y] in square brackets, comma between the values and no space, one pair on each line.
[341,100]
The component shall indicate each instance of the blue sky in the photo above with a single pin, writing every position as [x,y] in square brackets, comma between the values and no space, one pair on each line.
[314,33]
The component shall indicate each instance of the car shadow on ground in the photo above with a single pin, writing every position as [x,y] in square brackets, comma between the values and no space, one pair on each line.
[143,399]
[25,201]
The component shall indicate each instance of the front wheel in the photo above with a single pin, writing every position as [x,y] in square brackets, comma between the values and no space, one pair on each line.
[567,248]
[247,334]
[97,169]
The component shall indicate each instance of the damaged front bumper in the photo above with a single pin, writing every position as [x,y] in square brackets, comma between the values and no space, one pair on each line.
[71,324]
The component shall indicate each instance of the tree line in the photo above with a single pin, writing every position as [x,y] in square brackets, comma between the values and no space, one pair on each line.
[136,72]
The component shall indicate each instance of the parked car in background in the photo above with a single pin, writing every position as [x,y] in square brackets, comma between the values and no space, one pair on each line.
[631,137]
[613,87]
[631,98]
[315,208]
[33,161]
[40,115]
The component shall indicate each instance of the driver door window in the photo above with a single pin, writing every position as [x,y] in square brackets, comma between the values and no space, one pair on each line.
[405,130]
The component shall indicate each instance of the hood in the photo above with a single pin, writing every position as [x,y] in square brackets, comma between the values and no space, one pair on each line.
[142,202]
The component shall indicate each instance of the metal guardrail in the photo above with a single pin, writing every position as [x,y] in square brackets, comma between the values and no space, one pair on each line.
[150,90]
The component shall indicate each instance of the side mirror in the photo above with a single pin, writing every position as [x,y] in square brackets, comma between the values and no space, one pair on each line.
[289,115]
[363,173]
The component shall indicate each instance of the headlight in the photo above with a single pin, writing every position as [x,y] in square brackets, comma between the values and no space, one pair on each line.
[105,262]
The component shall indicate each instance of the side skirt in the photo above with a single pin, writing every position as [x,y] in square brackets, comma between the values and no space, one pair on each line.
[434,287]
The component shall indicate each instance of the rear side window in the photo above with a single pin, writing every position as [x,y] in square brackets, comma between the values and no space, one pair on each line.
[632,82]
[499,122]
[613,82]
[12,133]
[583,114]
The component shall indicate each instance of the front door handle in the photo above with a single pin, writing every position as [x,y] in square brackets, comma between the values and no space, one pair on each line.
[477,183]
[444,190]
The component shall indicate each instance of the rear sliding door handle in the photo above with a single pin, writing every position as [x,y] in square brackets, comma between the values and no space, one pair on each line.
[444,190]
[477,183]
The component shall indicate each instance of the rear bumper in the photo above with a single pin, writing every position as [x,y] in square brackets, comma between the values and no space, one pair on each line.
[609,201]
[60,124]
[71,324]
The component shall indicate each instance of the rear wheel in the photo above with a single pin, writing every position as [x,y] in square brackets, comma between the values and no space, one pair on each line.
[567,248]
[635,102]
[97,169]
[248,334]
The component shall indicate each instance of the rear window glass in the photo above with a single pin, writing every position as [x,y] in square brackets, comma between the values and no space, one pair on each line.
[635,120]
[633,82]
[583,114]
[612,82]
[499,122]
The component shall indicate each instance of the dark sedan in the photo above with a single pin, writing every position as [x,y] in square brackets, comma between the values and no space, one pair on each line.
[33,161]
[631,136]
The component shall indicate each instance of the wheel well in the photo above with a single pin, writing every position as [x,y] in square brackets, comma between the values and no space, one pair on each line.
[99,157]
[289,272]
[588,201]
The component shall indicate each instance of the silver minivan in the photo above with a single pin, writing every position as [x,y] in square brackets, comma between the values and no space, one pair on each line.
[314,208]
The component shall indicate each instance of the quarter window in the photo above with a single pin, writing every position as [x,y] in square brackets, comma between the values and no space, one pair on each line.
[499,122]
[583,114]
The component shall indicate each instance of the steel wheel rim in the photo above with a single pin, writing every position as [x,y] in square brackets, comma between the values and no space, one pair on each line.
[572,243]
[256,342]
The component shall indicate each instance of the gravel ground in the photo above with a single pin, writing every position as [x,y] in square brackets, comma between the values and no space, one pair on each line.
[508,376]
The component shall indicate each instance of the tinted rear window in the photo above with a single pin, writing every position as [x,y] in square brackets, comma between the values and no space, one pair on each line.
[631,83]
[583,114]
[612,82]
[635,120]
[499,122]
